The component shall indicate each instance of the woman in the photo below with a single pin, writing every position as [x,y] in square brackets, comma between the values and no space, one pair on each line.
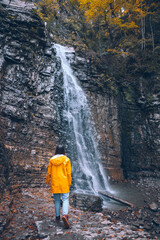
[59,177]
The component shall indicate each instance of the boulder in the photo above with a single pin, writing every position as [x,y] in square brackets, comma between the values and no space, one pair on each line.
[153,206]
[87,202]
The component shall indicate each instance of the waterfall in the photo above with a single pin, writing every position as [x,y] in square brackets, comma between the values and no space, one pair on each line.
[87,171]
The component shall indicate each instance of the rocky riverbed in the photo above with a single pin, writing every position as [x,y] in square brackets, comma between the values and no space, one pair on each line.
[28,213]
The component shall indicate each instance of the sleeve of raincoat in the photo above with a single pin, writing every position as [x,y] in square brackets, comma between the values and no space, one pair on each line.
[69,171]
[48,177]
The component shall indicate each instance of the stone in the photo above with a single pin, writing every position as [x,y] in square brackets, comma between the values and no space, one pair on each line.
[156,221]
[87,202]
[47,71]
[48,52]
[153,206]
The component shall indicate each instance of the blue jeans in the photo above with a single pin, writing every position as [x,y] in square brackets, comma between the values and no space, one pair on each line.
[57,202]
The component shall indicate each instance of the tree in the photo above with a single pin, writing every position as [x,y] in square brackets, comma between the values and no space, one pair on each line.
[113,12]
[48,9]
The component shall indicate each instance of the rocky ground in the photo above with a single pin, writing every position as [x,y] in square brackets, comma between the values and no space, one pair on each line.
[29,214]
[145,214]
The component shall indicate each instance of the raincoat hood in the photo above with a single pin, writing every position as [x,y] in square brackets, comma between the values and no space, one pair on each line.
[58,159]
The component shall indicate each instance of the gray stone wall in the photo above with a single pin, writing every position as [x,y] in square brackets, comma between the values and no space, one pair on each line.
[106,118]
[30,89]
[31,93]
[27,110]
[141,138]
[105,113]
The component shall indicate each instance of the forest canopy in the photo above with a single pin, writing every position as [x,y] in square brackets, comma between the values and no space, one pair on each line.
[104,18]
[124,32]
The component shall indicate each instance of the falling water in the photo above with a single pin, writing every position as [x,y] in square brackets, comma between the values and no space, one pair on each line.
[88,175]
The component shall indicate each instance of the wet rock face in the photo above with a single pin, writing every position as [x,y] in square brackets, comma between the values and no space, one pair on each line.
[5,167]
[105,115]
[31,96]
[141,137]
[27,64]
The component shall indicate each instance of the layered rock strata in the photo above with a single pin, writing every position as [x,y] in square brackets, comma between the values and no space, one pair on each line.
[31,98]
[140,142]
[28,114]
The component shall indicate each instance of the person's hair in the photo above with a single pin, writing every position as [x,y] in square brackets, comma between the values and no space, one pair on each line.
[60,150]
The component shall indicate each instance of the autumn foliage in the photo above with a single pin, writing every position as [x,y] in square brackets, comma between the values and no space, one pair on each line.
[124,32]
[98,17]
[119,12]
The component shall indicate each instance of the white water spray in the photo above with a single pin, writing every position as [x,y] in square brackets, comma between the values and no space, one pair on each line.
[88,174]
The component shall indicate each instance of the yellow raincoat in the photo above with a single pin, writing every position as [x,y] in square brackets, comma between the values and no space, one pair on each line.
[59,174]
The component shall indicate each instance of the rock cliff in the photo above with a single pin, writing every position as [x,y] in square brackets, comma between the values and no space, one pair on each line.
[31,93]
[140,141]
[28,115]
